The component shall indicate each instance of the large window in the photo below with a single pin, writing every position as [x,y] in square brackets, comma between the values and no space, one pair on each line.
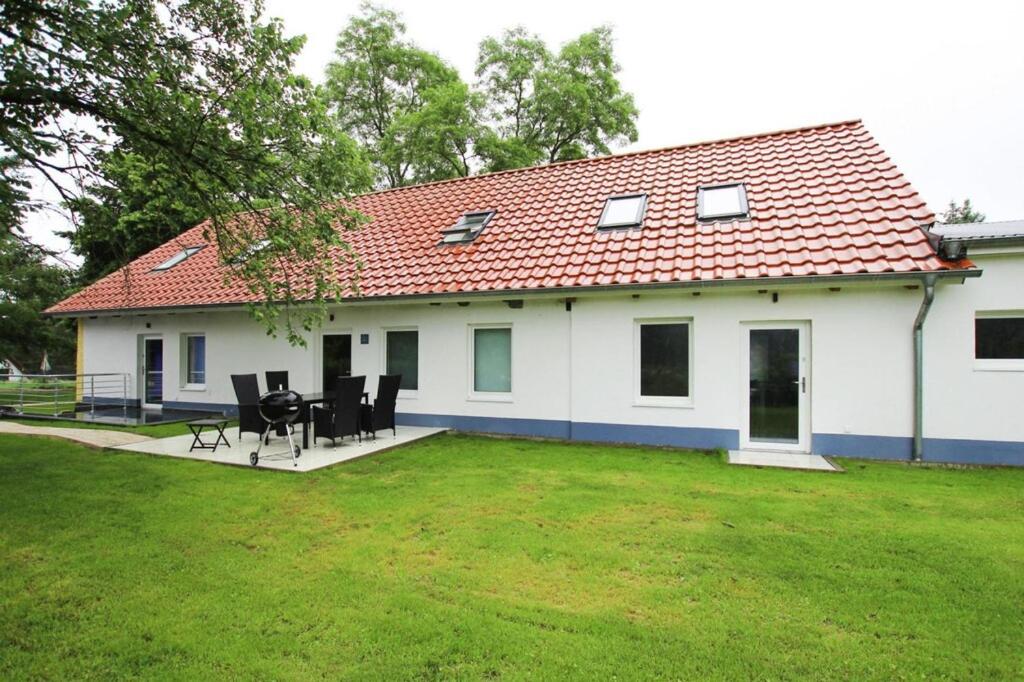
[999,337]
[492,359]
[195,360]
[402,348]
[663,359]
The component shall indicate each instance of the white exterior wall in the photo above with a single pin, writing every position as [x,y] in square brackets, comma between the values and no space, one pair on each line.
[574,373]
[963,399]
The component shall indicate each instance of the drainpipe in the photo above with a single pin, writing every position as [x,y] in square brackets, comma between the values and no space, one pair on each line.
[922,313]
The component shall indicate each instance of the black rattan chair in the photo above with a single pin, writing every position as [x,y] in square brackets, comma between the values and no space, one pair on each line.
[342,417]
[381,415]
[278,381]
[247,392]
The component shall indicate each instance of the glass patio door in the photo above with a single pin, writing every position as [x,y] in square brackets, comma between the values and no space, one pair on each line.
[777,387]
[336,359]
[152,371]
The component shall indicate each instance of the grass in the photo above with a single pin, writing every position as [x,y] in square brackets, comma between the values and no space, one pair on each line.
[468,557]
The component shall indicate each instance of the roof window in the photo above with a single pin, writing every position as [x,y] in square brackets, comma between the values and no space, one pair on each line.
[468,227]
[248,251]
[624,211]
[721,202]
[176,258]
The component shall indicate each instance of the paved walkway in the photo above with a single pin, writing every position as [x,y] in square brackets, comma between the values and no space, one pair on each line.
[100,438]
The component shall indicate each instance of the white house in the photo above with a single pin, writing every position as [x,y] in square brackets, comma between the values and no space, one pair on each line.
[785,291]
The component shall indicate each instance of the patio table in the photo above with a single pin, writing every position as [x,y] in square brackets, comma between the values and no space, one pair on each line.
[310,399]
[196,426]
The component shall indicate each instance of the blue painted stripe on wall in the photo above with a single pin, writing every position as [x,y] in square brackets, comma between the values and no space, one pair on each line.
[609,433]
[865,447]
[958,451]
[222,408]
[545,428]
[676,436]
[946,450]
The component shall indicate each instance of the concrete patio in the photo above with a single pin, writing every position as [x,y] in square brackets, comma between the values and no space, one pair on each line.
[275,455]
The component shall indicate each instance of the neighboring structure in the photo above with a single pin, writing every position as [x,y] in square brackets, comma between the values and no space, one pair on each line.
[764,292]
[10,371]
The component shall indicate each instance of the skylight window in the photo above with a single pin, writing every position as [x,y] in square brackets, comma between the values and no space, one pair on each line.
[468,227]
[248,252]
[176,258]
[624,211]
[722,201]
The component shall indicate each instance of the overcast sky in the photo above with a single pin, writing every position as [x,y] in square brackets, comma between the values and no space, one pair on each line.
[940,85]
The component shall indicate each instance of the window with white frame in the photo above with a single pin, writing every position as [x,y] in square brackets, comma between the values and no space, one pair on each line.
[194,361]
[492,359]
[663,361]
[401,356]
[722,202]
[999,338]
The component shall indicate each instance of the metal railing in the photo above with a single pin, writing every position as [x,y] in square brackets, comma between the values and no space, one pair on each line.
[58,394]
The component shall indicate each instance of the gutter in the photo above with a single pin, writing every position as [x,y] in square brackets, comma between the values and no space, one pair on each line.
[922,315]
[501,294]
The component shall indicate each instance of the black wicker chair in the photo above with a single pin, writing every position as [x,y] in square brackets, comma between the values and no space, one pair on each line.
[247,392]
[278,381]
[381,415]
[343,416]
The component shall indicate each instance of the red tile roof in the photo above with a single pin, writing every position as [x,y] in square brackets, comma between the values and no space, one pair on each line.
[823,201]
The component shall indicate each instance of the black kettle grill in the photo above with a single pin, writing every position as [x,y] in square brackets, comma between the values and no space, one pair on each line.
[279,408]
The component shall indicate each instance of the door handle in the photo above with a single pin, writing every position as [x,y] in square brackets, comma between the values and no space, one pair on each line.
[803,384]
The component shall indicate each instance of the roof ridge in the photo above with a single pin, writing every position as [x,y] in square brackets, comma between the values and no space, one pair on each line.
[639,152]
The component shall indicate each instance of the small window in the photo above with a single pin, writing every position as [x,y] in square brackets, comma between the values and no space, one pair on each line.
[248,252]
[624,211]
[492,360]
[663,360]
[176,258]
[401,352]
[999,337]
[468,227]
[195,360]
[722,201]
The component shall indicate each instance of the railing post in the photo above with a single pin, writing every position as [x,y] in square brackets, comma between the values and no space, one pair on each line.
[56,394]
[92,395]
[21,398]
[124,395]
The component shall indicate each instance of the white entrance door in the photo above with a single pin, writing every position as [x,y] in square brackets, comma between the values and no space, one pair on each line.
[151,371]
[776,388]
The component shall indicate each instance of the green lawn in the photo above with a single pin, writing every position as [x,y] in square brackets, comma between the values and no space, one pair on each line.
[468,557]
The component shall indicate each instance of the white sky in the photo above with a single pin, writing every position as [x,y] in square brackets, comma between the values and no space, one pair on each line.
[940,85]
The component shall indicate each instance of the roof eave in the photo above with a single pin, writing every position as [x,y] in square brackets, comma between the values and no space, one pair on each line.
[500,294]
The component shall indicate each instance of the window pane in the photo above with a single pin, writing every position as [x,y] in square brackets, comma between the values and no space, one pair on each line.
[622,211]
[722,201]
[775,385]
[403,357]
[665,360]
[492,360]
[196,360]
[999,338]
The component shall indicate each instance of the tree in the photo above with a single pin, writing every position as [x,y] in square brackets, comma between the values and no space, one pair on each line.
[551,107]
[964,213]
[28,285]
[408,108]
[139,206]
[204,91]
